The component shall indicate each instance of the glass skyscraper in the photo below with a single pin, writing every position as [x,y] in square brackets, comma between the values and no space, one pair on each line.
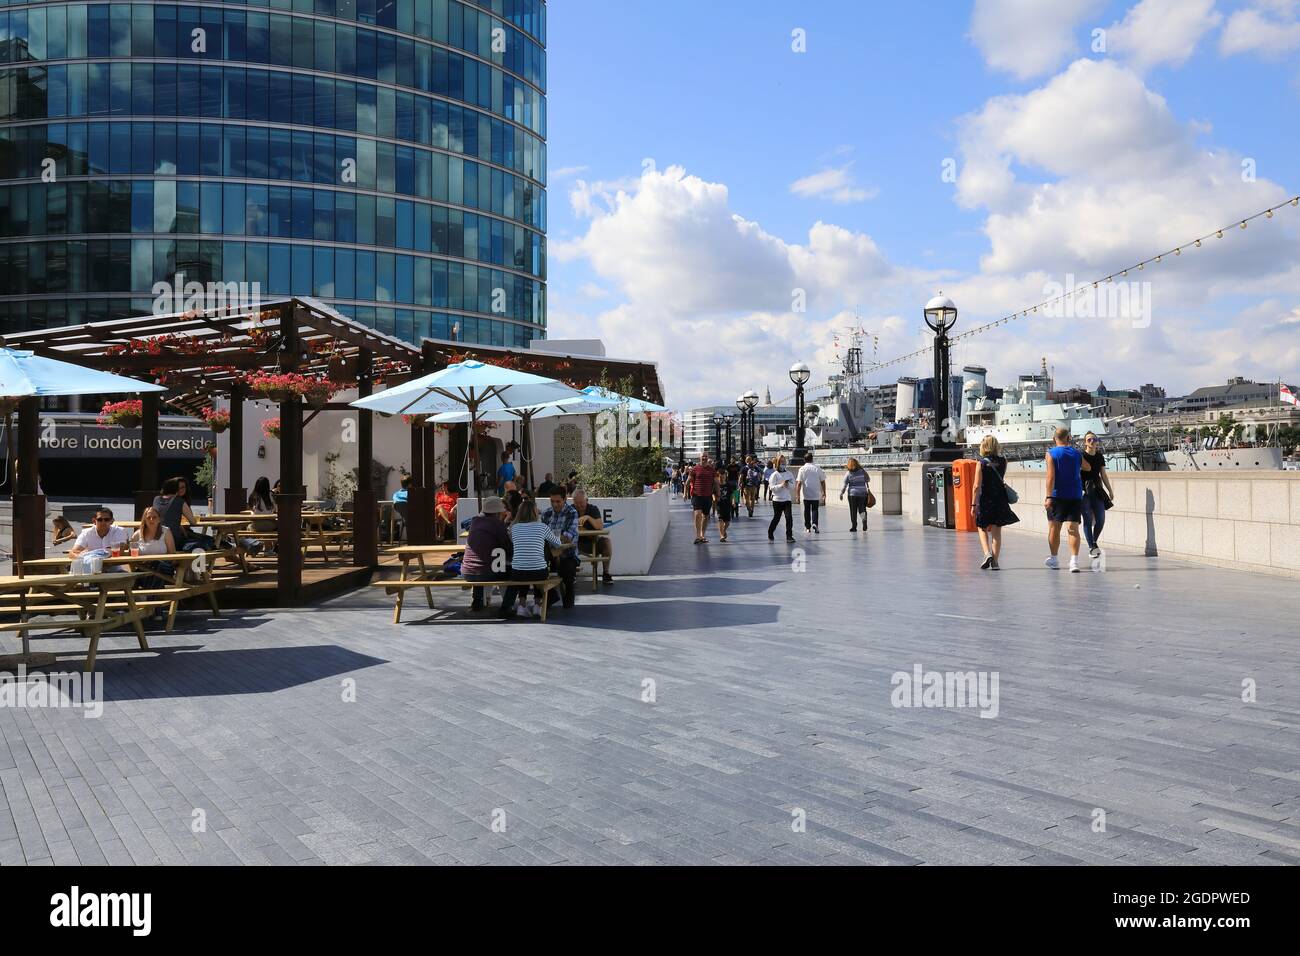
[385,156]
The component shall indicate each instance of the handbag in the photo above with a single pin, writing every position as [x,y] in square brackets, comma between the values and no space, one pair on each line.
[1011,493]
[871,499]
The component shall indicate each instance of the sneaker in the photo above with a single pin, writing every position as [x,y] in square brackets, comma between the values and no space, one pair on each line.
[1095,551]
[607,580]
[790,538]
[770,538]
[1052,563]
[816,530]
[1074,565]
[995,566]
[988,562]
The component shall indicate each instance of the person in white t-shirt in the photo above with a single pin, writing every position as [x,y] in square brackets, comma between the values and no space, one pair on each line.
[101,535]
[810,487]
[781,483]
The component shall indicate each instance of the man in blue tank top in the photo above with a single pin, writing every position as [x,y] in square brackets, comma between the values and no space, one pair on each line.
[1064,497]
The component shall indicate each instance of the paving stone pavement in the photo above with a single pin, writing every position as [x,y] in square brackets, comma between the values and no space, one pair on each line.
[772,688]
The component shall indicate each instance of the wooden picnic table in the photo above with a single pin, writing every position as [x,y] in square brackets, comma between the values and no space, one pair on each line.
[177,585]
[408,553]
[74,590]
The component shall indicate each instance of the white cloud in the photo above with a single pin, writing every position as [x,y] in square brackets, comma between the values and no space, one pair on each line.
[1270,28]
[564,172]
[1162,31]
[834,184]
[1109,176]
[1029,38]
[712,295]
[1088,174]
[1085,175]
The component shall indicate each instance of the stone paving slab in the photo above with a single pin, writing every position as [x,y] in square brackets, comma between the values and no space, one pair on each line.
[328,735]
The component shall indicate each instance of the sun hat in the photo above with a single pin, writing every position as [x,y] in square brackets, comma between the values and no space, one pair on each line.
[492,505]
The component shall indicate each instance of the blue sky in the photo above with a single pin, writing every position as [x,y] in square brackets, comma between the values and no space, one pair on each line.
[1068,161]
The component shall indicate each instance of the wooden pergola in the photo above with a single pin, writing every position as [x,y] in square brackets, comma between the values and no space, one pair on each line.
[202,355]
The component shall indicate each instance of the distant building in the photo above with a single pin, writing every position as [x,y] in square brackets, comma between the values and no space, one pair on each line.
[697,425]
[1238,391]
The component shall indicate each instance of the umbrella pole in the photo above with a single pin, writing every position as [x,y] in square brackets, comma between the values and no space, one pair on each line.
[471,461]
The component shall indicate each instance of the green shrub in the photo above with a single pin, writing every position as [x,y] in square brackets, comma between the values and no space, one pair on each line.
[622,472]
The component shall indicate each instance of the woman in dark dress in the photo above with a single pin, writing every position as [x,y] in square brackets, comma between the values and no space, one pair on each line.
[989,501]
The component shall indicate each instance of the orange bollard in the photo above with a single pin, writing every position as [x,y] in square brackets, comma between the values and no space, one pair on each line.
[963,483]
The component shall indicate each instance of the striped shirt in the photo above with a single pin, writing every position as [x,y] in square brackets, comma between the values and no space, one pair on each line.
[529,541]
[855,483]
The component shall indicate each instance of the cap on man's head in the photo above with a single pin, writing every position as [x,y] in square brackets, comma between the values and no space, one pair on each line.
[492,505]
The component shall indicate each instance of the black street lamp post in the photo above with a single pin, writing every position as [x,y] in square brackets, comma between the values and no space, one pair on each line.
[718,422]
[745,403]
[799,374]
[941,316]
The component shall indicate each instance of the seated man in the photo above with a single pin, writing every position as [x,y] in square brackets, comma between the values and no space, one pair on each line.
[547,486]
[402,493]
[102,535]
[562,519]
[589,518]
[488,549]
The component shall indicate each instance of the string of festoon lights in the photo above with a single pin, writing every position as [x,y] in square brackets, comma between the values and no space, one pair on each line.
[1085,287]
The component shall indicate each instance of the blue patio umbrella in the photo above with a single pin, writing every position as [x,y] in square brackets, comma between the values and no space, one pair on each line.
[471,387]
[610,398]
[28,375]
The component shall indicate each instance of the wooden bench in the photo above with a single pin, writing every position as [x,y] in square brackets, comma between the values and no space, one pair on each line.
[86,595]
[401,587]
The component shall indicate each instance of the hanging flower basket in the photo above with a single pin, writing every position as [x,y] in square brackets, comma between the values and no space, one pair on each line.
[125,414]
[217,420]
[416,420]
[279,387]
[319,392]
[271,428]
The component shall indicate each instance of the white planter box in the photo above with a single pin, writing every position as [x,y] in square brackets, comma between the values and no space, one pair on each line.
[636,527]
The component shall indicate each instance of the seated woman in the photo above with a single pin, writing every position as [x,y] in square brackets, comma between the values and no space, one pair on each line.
[153,537]
[444,511]
[62,530]
[262,502]
[529,536]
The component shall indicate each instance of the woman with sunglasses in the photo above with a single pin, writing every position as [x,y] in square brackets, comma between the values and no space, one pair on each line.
[1097,492]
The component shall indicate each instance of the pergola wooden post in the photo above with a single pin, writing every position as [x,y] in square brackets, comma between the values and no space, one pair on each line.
[365,517]
[236,494]
[289,501]
[149,483]
[419,498]
[29,503]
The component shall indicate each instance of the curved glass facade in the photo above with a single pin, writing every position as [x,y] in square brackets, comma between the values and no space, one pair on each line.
[385,156]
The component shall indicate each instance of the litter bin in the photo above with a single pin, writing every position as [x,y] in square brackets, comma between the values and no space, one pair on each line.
[963,484]
[937,508]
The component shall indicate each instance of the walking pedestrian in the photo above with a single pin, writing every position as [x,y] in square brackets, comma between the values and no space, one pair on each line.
[703,482]
[855,484]
[990,502]
[752,477]
[1064,498]
[810,487]
[781,482]
[1097,492]
[767,475]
